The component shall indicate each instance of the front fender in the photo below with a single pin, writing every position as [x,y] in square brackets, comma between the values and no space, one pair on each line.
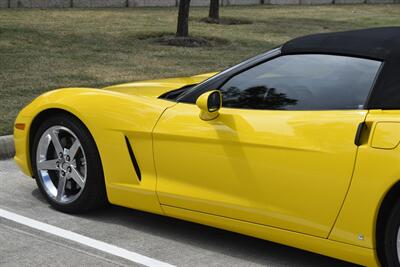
[109,117]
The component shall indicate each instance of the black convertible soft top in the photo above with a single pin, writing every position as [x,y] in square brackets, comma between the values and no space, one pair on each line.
[376,43]
[381,44]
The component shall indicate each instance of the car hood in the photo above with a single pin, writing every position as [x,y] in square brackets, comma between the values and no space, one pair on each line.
[155,88]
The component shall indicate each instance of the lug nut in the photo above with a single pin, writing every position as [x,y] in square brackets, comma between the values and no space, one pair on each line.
[60,155]
[63,173]
[69,169]
[57,164]
[67,158]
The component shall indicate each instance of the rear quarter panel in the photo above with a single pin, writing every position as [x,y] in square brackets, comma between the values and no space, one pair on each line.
[377,169]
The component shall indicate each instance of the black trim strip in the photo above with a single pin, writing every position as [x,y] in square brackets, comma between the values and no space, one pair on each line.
[174,94]
[360,128]
[133,159]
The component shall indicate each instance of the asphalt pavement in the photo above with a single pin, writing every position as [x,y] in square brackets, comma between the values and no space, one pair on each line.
[161,238]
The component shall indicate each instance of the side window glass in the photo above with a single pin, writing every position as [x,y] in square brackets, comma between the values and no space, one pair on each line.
[303,82]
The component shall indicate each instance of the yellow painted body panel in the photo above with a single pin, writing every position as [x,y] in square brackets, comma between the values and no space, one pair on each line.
[293,177]
[288,169]
[155,88]
[110,114]
[21,142]
[376,171]
[385,136]
[347,252]
[110,117]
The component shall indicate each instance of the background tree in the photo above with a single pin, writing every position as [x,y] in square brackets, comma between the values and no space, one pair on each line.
[183,19]
[214,10]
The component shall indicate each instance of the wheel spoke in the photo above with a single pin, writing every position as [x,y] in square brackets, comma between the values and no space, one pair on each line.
[61,187]
[61,164]
[56,142]
[77,177]
[74,149]
[48,165]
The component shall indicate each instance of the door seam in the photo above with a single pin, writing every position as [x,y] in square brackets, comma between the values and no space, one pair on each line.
[350,184]
[154,160]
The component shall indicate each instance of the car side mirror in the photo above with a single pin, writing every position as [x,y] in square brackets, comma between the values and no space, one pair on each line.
[209,104]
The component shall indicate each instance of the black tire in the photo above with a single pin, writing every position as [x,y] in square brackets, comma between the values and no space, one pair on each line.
[390,239]
[93,194]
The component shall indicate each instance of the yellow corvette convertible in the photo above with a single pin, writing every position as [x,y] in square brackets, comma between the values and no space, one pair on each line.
[298,145]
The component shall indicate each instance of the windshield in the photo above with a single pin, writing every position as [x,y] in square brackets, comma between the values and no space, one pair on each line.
[227,71]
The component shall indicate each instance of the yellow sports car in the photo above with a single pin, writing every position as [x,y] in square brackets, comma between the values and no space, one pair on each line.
[299,145]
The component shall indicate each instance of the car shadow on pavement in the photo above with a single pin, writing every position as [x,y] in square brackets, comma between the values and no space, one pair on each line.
[235,245]
[36,194]
[228,243]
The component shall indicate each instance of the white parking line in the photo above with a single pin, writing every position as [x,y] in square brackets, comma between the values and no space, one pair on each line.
[90,242]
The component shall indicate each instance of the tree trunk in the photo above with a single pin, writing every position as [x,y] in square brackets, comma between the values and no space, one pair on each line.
[183,19]
[214,9]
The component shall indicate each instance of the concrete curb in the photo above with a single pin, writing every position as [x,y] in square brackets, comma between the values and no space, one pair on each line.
[7,148]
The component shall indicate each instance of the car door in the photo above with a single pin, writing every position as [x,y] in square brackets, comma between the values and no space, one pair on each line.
[280,153]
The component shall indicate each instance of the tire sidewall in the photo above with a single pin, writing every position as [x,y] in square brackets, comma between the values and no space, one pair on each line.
[390,242]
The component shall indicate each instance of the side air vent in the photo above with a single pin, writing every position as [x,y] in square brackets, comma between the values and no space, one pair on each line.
[133,159]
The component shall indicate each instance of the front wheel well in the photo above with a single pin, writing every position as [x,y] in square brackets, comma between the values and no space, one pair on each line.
[385,210]
[38,120]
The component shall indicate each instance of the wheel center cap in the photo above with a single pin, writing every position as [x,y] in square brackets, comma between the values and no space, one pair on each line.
[64,166]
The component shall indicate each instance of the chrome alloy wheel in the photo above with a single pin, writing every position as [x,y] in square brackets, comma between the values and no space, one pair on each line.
[61,164]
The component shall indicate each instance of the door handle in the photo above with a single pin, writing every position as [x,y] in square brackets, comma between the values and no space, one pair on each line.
[360,129]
